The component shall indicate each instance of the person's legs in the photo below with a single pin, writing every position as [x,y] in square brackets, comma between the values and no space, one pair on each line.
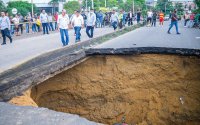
[79,33]
[88,30]
[62,36]
[43,28]
[4,37]
[76,32]
[51,24]
[171,25]
[46,25]
[27,27]
[92,30]
[7,33]
[67,36]
[176,25]
[55,25]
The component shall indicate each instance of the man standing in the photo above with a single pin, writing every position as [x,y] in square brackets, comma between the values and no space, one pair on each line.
[44,21]
[174,21]
[63,22]
[78,22]
[120,19]
[114,19]
[5,27]
[154,17]
[50,19]
[138,16]
[161,18]
[149,17]
[91,20]
[130,18]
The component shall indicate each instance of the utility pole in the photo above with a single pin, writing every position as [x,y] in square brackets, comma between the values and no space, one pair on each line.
[92,4]
[133,6]
[32,7]
[86,5]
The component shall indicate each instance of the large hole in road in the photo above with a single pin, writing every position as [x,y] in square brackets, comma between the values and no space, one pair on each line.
[144,89]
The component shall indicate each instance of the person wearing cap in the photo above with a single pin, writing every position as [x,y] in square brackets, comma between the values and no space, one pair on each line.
[78,23]
[63,25]
[91,20]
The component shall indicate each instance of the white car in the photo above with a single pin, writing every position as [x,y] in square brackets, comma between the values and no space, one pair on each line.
[166,18]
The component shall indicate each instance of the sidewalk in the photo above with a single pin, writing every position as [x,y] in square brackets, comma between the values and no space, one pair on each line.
[24,49]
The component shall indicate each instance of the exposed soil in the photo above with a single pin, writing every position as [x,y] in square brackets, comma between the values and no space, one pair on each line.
[145,89]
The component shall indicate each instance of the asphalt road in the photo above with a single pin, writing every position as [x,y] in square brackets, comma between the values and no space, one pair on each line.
[157,37]
[27,47]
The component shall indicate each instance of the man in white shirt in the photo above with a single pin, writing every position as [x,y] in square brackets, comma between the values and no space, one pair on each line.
[91,20]
[78,23]
[63,25]
[114,19]
[149,17]
[50,18]
[5,27]
[44,21]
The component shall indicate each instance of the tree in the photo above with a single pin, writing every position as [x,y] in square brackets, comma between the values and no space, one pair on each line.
[2,6]
[22,7]
[54,3]
[165,6]
[179,7]
[71,6]
[128,4]
[198,5]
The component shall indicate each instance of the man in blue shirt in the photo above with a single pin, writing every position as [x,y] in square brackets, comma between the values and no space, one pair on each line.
[5,27]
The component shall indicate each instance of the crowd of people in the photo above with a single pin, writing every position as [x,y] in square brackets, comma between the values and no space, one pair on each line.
[45,22]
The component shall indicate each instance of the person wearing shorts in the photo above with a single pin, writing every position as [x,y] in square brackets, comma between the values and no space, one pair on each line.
[161,18]
[16,23]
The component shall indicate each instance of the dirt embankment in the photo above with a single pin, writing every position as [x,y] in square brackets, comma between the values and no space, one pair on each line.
[146,89]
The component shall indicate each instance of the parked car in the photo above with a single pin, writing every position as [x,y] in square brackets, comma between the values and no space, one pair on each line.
[166,18]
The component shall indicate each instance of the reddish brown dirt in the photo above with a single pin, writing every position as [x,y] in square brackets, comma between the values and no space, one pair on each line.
[146,89]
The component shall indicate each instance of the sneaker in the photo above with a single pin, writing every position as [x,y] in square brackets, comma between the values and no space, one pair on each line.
[178,33]
[168,32]
[3,44]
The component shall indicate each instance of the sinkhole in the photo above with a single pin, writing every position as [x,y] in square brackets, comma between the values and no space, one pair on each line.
[147,89]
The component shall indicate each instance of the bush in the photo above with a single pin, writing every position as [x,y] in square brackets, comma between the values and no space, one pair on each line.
[22,7]
[71,6]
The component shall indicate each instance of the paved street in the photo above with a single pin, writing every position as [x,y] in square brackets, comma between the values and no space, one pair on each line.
[156,37]
[22,50]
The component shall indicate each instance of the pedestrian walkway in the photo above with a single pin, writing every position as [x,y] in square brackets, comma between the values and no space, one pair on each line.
[157,37]
[24,49]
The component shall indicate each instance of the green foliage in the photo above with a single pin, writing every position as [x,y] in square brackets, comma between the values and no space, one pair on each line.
[2,6]
[198,5]
[164,4]
[179,7]
[22,7]
[120,4]
[71,6]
